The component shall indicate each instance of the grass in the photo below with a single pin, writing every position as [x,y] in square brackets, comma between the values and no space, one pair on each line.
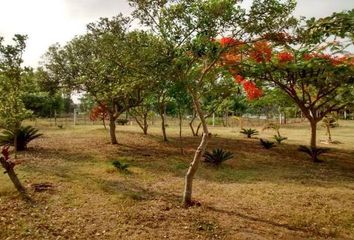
[271,194]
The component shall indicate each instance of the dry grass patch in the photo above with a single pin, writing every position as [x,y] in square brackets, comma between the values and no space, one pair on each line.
[259,194]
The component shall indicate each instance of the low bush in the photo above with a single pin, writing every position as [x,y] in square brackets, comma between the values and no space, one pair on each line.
[266,144]
[120,166]
[217,156]
[249,132]
[24,136]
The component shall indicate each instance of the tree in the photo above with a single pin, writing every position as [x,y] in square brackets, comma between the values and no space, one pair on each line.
[311,68]
[101,64]
[14,81]
[189,27]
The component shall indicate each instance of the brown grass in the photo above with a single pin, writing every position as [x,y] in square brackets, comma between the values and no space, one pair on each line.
[259,194]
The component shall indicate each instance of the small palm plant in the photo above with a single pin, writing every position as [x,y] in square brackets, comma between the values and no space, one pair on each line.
[313,152]
[279,138]
[249,132]
[276,127]
[217,156]
[120,166]
[23,136]
[267,144]
[329,122]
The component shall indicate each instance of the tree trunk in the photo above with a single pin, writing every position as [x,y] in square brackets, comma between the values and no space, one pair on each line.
[104,123]
[14,179]
[198,128]
[112,129]
[329,133]
[145,124]
[163,127]
[187,194]
[313,124]
[191,123]
[180,131]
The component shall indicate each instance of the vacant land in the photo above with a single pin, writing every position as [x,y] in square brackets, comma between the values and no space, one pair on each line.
[259,194]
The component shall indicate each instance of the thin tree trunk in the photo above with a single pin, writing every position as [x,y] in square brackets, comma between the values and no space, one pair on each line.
[180,131]
[191,123]
[112,129]
[14,179]
[329,133]
[146,126]
[187,194]
[104,123]
[198,128]
[163,127]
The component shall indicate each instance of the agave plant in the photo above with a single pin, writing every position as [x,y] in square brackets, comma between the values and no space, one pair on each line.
[313,152]
[120,166]
[23,136]
[249,132]
[267,144]
[217,156]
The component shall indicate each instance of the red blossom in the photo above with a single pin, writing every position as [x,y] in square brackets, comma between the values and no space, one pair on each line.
[99,112]
[252,91]
[261,52]
[239,79]
[339,60]
[285,57]
[228,41]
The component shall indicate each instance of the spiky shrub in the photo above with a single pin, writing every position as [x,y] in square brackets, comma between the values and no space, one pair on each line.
[120,166]
[279,139]
[314,153]
[266,144]
[249,132]
[24,135]
[217,156]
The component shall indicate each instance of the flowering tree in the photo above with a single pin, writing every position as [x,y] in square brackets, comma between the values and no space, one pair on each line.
[188,26]
[314,71]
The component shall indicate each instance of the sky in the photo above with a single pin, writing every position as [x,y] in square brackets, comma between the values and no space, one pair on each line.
[49,21]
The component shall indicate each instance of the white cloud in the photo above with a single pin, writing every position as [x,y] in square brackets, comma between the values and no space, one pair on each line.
[49,21]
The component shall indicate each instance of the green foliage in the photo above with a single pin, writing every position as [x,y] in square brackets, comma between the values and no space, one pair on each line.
[279,138]
[267,144]
[120,166]
[249,132]
[23,135]
[14,82]
[313,152]
[217,156]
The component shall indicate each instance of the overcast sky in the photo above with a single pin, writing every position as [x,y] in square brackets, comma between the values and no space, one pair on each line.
[50,21]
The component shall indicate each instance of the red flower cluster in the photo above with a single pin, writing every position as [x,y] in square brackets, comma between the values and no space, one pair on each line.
[239,79]
[250,88]
[99,112]
[261,52]
[228,41]
[334,60]
[285,57]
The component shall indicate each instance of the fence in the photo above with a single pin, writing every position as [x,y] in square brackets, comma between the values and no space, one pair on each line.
[231,121]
